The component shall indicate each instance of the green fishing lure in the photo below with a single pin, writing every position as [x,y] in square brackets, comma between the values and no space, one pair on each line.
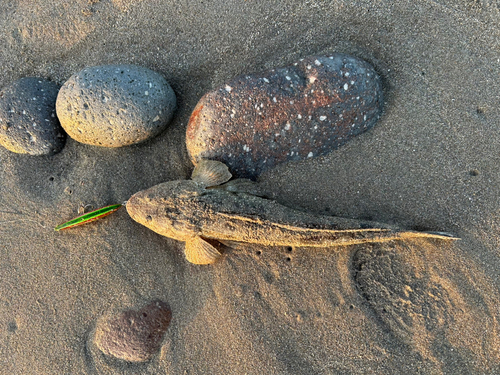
[89,216]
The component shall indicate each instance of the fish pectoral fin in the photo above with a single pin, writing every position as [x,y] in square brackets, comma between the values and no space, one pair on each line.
[199,251]
[236,245]
[211,173]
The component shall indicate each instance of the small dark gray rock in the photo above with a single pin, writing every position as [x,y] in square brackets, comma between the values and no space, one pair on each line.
[132,335]
[255,122]
[28,122]
[115,105]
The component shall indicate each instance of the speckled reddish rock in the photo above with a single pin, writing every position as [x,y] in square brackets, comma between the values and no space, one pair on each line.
[133,336]
[254,122]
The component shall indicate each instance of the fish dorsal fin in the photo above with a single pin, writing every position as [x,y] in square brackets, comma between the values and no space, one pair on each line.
[199,251]
[211,173]
[243,185]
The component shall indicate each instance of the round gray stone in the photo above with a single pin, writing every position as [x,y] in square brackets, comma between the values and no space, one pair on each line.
[28,122]
[115,105]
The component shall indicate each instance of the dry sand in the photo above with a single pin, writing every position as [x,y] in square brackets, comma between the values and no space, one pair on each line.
[431,162]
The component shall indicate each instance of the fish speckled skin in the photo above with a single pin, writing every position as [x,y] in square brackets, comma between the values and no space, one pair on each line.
[187,210]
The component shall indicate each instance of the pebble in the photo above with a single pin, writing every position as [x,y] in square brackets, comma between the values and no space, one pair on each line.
[132,335]
[115,105]
[28,122]
[255,122]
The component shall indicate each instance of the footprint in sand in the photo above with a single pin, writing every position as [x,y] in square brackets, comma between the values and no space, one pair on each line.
[423,296]
[406,299]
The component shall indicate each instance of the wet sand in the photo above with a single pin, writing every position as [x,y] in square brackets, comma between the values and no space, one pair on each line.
[430,163]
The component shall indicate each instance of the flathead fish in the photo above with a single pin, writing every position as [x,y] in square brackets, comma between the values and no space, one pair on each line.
[207,209]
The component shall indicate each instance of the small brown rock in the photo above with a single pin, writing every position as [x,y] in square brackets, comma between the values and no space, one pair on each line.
[255,122]
[133,336]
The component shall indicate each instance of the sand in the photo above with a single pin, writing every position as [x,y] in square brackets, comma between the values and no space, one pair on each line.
[430,163]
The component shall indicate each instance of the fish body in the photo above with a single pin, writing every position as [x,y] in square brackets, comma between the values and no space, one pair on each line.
[191,211]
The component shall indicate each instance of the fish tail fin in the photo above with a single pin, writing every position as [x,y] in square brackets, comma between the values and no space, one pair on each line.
[437,235]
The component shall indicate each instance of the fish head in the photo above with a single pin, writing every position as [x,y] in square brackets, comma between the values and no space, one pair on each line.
[168,209]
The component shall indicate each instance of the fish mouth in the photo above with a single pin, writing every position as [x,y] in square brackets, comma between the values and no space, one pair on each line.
[137,208]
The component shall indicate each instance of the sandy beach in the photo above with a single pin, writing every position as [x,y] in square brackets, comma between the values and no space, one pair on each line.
[430,163]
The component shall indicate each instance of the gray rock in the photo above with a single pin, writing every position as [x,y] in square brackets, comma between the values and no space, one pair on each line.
[115,105]
[132,335]
[257,121]
[28,122]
